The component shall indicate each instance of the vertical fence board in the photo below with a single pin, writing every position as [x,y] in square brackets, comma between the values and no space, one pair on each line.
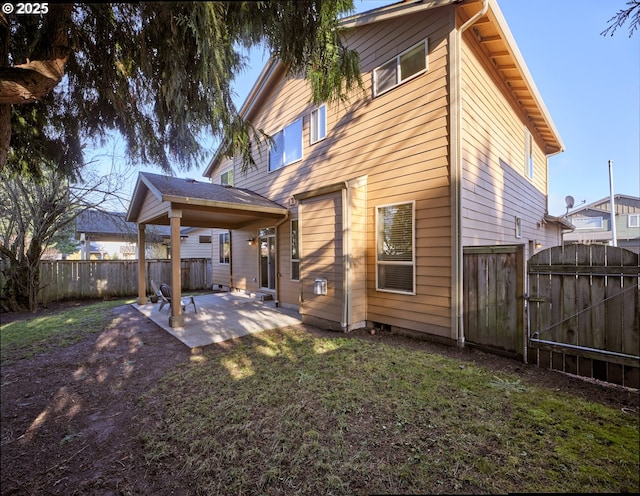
[594,305]
[80,279]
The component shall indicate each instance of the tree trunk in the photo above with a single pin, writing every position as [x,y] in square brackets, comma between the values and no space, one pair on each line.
[34,79]
[45,68]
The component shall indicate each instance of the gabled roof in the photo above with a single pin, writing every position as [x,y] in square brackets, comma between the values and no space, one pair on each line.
[495,38]
[202,204]
[603,205]
[112,226]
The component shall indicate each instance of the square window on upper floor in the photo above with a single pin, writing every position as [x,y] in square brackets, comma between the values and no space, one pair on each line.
[287,146]
[407,65]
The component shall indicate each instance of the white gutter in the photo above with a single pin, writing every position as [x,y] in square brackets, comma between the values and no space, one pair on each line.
[456,172]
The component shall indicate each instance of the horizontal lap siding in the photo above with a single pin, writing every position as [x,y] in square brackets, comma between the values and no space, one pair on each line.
[151,208]
[400,141]
[495,188]
[192,248]
[415,167]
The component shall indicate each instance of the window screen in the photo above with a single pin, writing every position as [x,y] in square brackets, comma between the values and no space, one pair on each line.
[395,250]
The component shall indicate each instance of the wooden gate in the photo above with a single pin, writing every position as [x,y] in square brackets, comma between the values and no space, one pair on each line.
[493,303]
[584,312]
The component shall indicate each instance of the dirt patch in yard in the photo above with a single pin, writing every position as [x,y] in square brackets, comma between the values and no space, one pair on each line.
[71,417]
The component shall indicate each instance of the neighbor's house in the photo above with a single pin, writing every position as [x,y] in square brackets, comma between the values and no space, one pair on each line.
[593,223]
[376,203]
[96,226]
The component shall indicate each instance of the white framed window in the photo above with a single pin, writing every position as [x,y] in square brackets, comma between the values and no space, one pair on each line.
[318,124]
[528,154]
[204,240]
[287,146]
[295,251]
[226,179]
[634,220]
[587,222]
[407,65]
[395,246]
[224,248]
[518,227]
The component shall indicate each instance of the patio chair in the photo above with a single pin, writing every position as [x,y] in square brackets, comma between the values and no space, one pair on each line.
[156,290]
[165,291]
[161,298]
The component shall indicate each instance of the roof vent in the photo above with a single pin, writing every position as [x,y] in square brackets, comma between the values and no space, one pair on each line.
[190,180]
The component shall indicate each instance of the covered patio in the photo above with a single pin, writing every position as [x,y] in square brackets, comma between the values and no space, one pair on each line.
[221,316]
[177,202]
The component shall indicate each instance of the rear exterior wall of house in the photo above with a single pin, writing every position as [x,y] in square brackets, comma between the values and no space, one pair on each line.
[399,140]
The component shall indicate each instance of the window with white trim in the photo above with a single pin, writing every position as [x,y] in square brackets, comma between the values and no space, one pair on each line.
[529,149]
[407,65]
[287,146]
[204,239]
[588,222]
[518,227]
[634,220]
[224,248]
[318,124]
[226,179]
[295,251]
[395,238]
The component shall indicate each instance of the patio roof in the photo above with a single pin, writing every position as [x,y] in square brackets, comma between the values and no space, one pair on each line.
[202,204]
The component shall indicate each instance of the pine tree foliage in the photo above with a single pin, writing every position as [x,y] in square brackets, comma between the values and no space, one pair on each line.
[159,73]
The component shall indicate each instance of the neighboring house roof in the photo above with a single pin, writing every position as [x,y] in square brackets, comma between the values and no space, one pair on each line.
[112,226]
[202,204]
[498,44]
[604,204]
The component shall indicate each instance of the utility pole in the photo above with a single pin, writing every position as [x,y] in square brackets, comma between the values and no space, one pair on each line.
[614,241]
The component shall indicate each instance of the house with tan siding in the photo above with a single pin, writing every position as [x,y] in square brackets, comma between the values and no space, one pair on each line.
[444,152]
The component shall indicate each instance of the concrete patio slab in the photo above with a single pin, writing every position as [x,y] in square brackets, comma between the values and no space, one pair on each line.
[221,316]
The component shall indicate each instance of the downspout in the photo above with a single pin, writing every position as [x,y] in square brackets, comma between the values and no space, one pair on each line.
[278,258]
[456,169]
[230,261]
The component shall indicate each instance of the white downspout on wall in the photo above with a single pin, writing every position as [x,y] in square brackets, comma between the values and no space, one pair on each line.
[288,216]
[455,81]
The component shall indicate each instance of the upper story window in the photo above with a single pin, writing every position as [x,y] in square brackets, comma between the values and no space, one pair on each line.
[318,124]
[587,222]
[226,179]
[529,148]
[634,220]
[287,146]
[203,239]
[401,68]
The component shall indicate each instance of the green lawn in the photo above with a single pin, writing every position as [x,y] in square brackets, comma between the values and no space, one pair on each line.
[26,337]
[284,412]
[287,413]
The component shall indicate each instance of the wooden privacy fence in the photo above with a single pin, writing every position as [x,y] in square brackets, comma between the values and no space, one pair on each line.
[78,279]
[493,306]
[584,312]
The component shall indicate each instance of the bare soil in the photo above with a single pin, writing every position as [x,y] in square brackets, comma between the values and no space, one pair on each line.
[71,418]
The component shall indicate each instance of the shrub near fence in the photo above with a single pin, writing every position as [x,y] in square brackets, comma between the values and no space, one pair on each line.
[79,279]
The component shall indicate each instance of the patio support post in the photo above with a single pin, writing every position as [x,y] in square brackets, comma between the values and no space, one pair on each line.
[176,319]
[142,266]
